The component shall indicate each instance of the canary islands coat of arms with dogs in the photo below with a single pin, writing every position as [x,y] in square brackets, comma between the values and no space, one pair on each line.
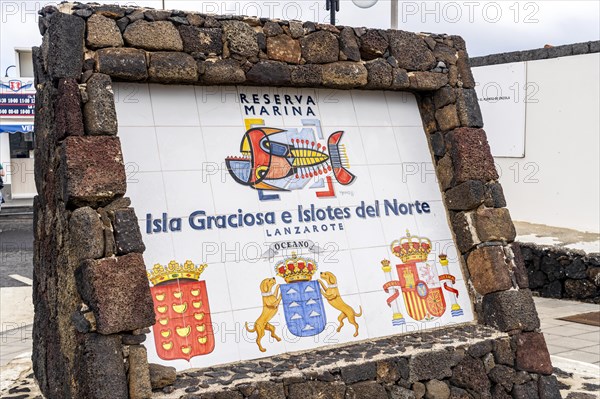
[303,301]
[183,329]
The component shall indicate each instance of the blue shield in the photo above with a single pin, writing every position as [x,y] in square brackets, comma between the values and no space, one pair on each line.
[303,308]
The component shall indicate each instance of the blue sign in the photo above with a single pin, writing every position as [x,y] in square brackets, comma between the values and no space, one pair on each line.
[24,128]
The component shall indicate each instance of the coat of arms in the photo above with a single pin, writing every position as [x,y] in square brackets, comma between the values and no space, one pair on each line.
[302,297]
[183,329]
[418,282]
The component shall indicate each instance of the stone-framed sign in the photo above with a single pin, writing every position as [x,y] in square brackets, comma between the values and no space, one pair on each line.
[284,207]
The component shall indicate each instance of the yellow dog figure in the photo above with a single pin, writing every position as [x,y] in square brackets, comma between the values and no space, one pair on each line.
[270,302]
[332,294]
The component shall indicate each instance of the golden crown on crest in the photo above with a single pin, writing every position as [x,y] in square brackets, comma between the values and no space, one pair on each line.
[296,269]
[411,248]
[173,271]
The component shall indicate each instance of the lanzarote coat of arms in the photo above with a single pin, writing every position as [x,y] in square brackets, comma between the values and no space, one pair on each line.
[183,328]
[303,301]
[417,283]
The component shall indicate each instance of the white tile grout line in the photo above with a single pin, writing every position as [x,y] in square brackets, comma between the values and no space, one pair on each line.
[22,279]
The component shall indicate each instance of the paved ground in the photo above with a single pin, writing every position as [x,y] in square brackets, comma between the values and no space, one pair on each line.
[548,235]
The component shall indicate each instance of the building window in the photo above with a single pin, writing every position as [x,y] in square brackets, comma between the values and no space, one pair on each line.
[25,63]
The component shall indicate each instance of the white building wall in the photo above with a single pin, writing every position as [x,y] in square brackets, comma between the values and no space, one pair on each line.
[557,182]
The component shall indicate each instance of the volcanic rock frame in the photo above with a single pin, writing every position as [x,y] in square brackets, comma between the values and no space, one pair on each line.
[91,294]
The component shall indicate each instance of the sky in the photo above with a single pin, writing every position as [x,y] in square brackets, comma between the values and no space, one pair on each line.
[487,26]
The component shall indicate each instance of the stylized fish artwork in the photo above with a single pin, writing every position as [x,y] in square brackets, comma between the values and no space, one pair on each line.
[285,160]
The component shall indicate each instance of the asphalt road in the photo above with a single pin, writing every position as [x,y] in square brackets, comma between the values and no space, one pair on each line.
[16,251]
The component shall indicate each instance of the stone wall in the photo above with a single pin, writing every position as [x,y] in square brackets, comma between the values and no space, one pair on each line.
[91,294]
[538,54]
[556,272]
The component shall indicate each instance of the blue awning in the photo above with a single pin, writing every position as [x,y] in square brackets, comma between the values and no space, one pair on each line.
[21,128]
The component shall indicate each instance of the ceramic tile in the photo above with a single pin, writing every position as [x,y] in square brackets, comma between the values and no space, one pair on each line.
[337,268]
[174,155]
[295,115]
[140,150]
[370,108]
[139,190]
[378,316]
[229,196]
[248,347]
[215,102]
[245,280]
[403,109]
[336,108]
[361,188]
[174,105]
[388,184]
[159,246]
[380,145]
[367,268]
[356,227]
[186,193]
[413,146]
[253,98]
[352,143]
[227,333]
[434,225]
[221,142]
[133,105]
[150,345]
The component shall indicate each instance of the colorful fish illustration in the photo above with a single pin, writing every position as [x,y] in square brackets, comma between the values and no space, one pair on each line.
[285,160]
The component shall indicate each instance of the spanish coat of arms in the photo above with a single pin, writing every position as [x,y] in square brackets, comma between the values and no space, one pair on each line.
[303,301]
[183,329]
[418,284]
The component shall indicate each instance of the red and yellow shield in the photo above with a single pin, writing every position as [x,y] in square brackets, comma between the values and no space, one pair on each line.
[183,329]
[421,301]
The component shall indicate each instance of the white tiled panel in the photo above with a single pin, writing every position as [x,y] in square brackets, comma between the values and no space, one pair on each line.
[176,140]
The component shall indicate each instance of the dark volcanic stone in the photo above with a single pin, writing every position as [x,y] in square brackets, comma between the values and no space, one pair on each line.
[345,75]
[309,75]
[576,269]
[86,233]
[471,155]
[128,237]
[116,289]
[99,110]
[317,389]
[65,46]
[122,63]
[468,108]
[480,349]
[366,389]
[101,371]
[269,73]
[469,373]
[553,289]
[519,269]
[359,372]
[283,48]
[494,224]
[438,144]
[444,96]
[580,289]
[427,81]
[411,51]
[494,195]
[525,391]
[465,196]
[241,38]
[67,110]
[462,224]
[379,74]
[225,71]
[430,365]
[373,45]
[349,44]
[532,353]
[503,376]
[548,387]
[269,390]
[489,269]
[201,40]
[161,376]
[92,169]
[510,310]
[153,36]
[320,47]
[447,118]
[169,67]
